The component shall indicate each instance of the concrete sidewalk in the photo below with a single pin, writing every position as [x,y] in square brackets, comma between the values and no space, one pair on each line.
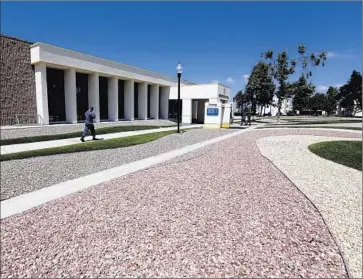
[6,149]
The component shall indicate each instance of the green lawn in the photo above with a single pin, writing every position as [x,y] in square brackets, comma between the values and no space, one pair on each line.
[99,131]
[87,146]
[301,127]
[347,153]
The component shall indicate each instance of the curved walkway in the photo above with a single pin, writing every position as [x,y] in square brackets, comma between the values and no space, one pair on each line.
[224,210]
[335,189]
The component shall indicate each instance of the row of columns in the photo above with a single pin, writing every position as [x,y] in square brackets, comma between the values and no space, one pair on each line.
[93,97]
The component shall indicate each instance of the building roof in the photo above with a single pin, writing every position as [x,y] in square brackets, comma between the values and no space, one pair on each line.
[163,76]
[132,68]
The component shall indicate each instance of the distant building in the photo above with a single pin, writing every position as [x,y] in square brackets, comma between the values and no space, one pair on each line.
[46,84]
[272,109]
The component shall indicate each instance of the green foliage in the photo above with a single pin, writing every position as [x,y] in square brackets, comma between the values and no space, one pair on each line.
[351,92]
[87,146]
[283,67]
[330,102]
[240,98]
[317,102]
[347,153]
[302,91]
[260,84]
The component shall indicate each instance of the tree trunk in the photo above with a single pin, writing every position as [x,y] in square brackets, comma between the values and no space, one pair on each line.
[261,111]
[278,111]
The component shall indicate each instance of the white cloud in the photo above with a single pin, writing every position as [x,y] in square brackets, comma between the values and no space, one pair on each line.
[331,54]
[246,77]
[323,88]
[230,80]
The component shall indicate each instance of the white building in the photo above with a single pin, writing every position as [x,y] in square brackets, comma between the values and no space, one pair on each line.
[68,82]
[286,107]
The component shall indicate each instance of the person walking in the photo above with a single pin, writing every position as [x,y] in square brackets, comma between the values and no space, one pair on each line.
[89,126]
[249,118]
[243,119]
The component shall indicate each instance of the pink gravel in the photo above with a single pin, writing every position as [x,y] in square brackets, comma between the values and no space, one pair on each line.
[227,213]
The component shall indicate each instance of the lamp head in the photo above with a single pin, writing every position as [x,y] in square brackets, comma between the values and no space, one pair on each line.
[179,68]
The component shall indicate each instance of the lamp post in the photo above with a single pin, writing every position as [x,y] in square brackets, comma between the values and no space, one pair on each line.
[179,70]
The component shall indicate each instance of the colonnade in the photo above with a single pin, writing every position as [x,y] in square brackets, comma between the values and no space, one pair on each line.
[159,96]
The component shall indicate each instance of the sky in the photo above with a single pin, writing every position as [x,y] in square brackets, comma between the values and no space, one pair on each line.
[214,41]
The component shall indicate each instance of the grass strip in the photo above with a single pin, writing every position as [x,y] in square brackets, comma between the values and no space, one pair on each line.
[347,153]
[99,131]
[318,127]
[86,146]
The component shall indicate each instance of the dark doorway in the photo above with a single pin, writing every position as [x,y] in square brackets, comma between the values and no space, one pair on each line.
[121,99]
[103,86]
[56,96]
[82,95]
[148,101]
[136,100]
[173,109]
[198,109]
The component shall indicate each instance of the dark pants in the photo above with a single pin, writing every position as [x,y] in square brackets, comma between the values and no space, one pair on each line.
[89,127]
[249,120]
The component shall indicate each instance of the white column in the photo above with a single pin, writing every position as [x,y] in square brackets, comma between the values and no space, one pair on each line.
[70,90]
[154,101]
[164,102]
[41,93]
[129,100]
[142,105]
[94,94]
[113,99]
[187,111]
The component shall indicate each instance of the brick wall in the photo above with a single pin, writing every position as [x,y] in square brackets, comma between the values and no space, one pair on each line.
[17,80]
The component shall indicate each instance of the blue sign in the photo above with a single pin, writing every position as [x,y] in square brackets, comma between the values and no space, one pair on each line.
[212,111]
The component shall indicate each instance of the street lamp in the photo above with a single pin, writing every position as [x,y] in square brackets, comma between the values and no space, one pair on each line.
[179,70]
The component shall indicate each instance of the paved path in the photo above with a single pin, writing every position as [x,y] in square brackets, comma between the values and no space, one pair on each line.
[64,142]
[194,217]
[26,175]
[325,183]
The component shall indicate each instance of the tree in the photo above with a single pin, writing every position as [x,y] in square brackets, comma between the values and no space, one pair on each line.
[260,83]
[283,67]
[331,103]
[301,91]
[351,92]
[317,102]
[240,98]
